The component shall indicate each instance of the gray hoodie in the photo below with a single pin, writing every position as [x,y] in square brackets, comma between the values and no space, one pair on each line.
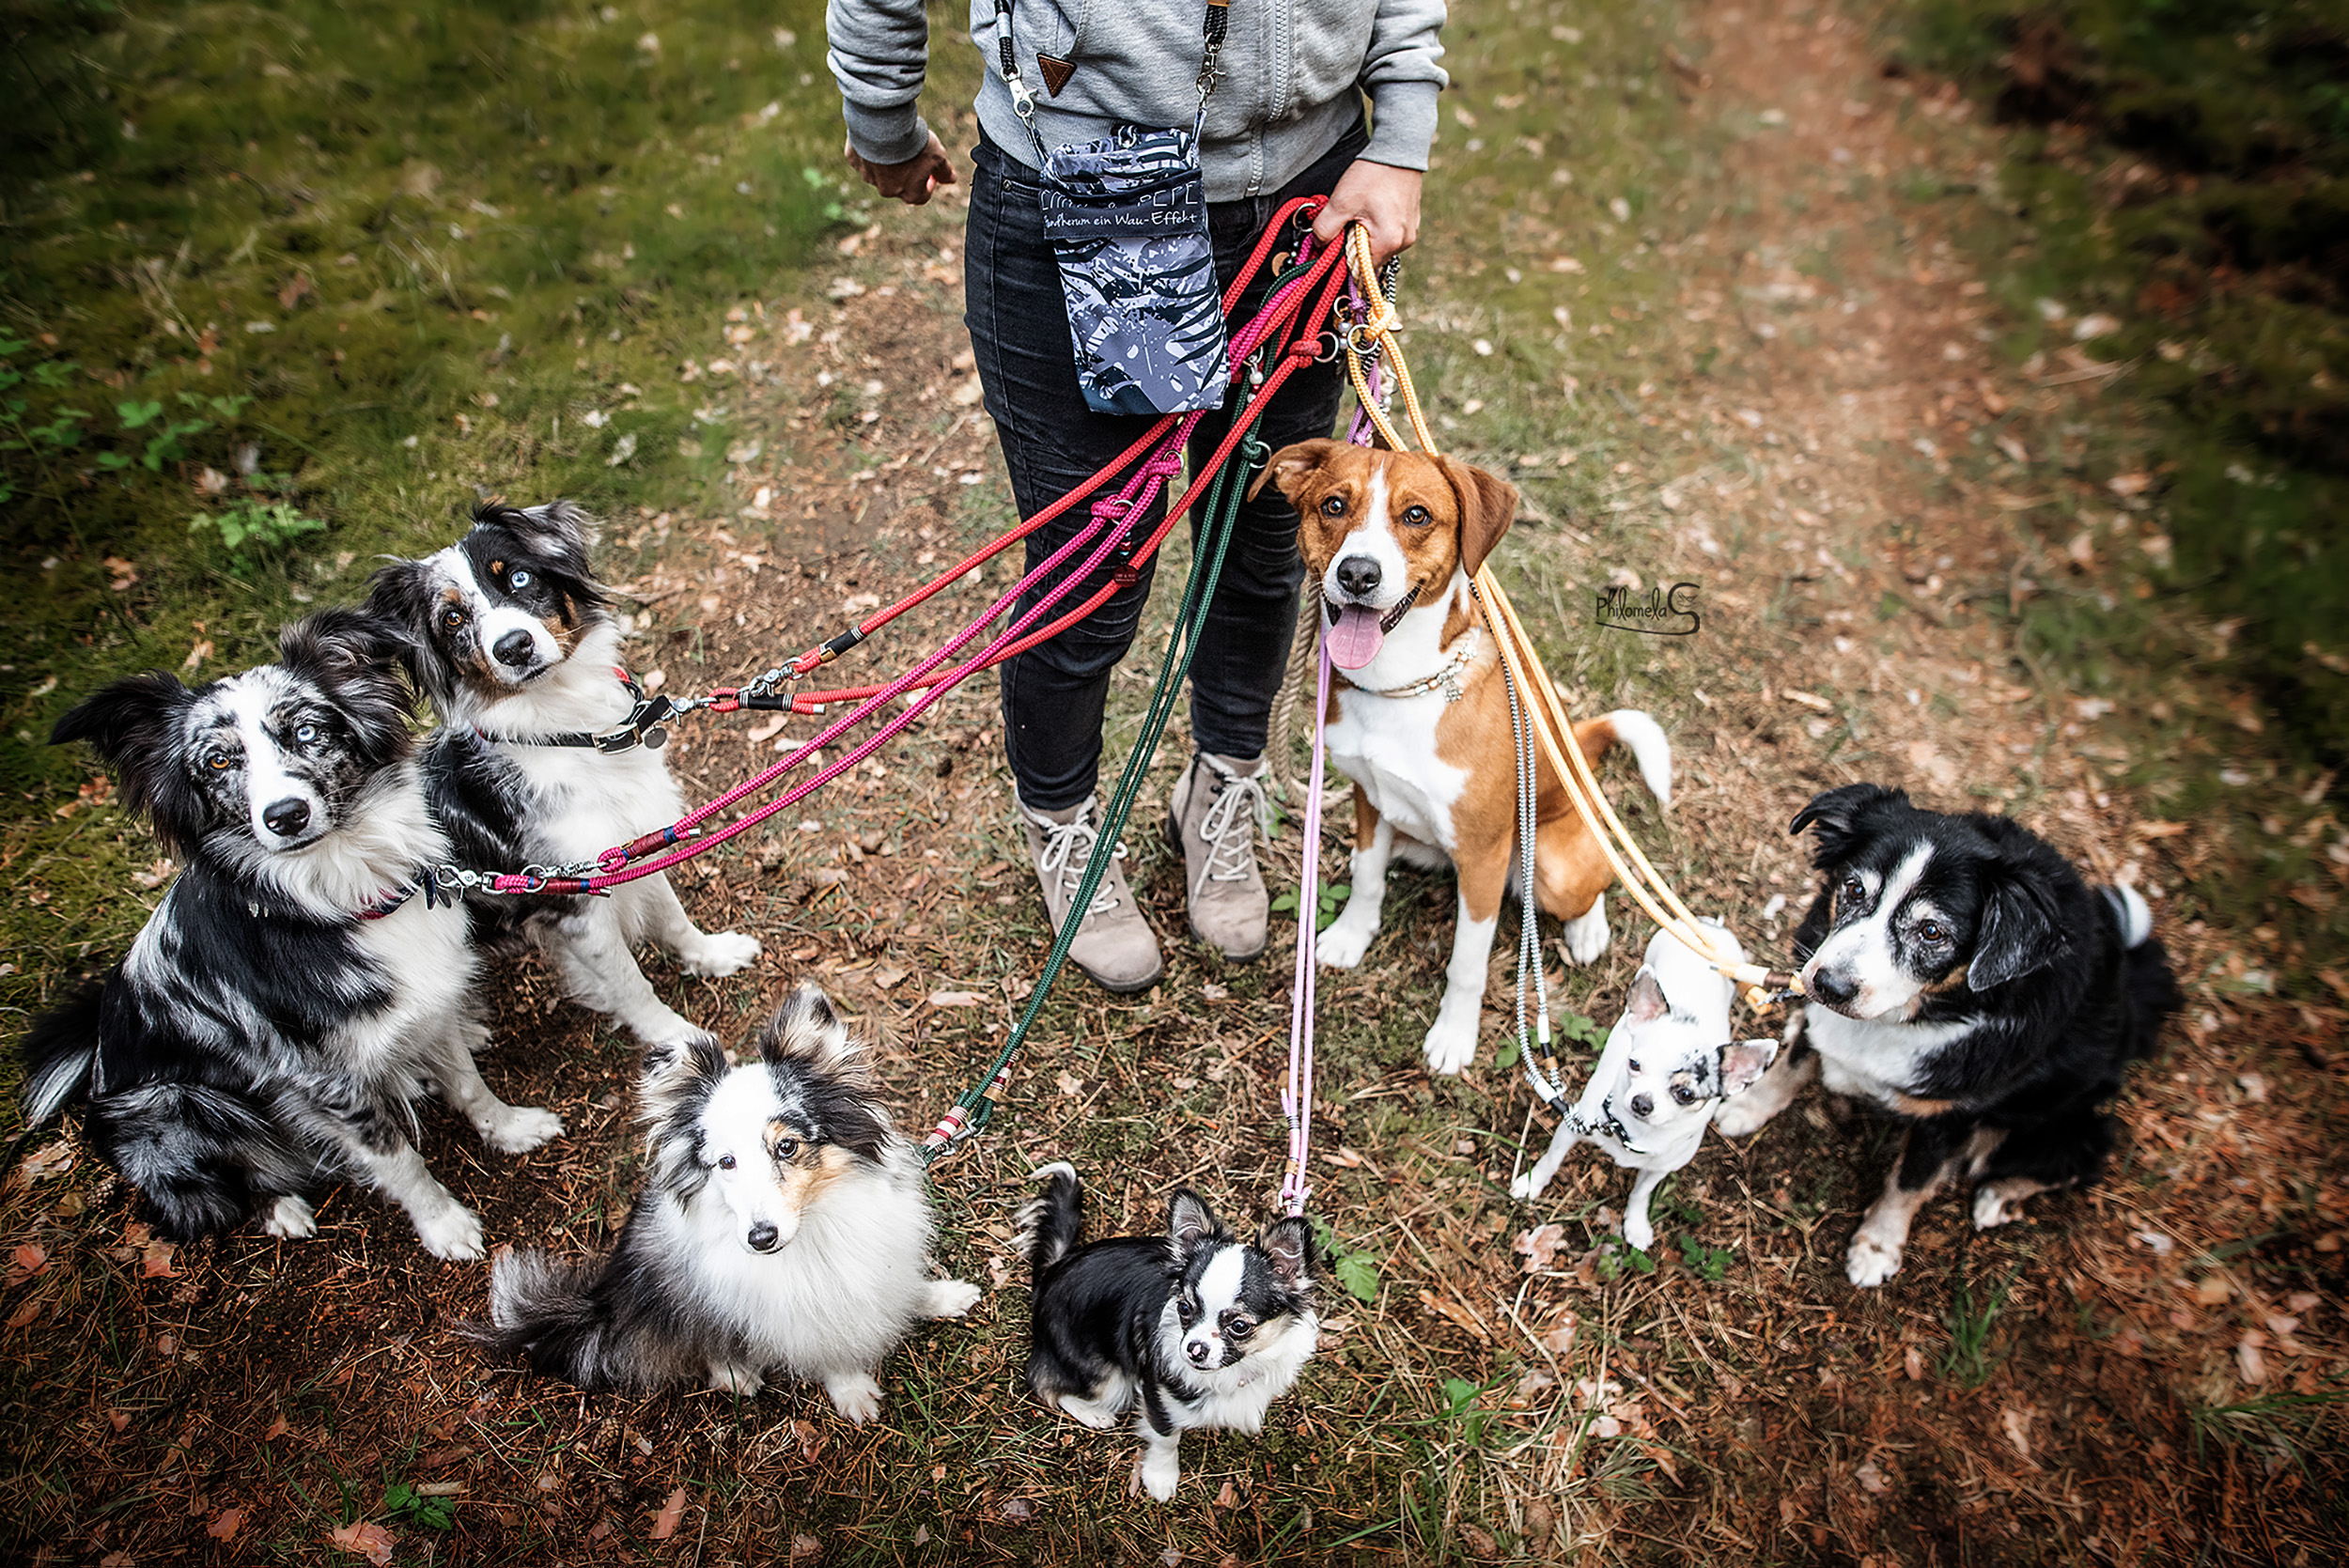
[1294,74]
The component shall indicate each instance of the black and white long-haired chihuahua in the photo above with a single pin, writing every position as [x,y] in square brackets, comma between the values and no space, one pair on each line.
[507,633]
[273,1023]
[1195,1329]
[784,1227]
[1960,975]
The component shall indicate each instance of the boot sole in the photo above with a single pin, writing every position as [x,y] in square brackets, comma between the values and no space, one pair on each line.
[1174,836]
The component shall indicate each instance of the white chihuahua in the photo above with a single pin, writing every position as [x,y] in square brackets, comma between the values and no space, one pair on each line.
[1668,1065]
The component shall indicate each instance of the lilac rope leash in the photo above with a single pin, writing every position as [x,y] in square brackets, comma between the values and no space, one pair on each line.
[1297,1098]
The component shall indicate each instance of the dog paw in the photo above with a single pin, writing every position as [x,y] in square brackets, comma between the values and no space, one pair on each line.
[952,1298]
[855,1395]
[452,1233]
[1341,946]
[1087,1412]
[521,1130]
[727,1378]
[722,953]
[1527,1186]
[1450,1045]
[1747,1113]
[1994,1208]
[1638,1232]
[1156,1474]
[1871,1262]
[290,1217]
[1585,936]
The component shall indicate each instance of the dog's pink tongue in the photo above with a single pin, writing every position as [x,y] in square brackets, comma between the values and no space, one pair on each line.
[1354,641]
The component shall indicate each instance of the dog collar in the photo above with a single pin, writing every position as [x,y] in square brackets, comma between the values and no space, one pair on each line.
[390,900]
[1447,678]
[642,727]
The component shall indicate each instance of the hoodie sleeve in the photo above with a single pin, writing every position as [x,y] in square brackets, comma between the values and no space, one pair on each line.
[1402,79]
[879,52]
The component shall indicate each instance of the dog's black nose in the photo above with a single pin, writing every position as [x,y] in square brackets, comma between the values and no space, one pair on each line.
[1832,986]
[515,650]
[1643,1105]
[1198,1351]
[1359,575]
[764,1237]
[286,817]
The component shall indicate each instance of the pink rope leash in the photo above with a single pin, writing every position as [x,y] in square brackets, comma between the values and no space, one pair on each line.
[1296,1095]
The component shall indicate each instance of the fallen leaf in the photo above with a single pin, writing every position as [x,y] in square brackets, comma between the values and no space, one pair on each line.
[196,656]
[1561,1339]
[1540,1247]
[955,999]
[1069,1084]
[2212,1290]
[277,1429]
[1872,1479]
[156,1264]
[1913,1363]
[25,1314]
[2250,1359]
[1479,1541]
[224,1528]
[671,1514]
[804,1545]
[2015,1423]
[370,1541]
[1016,1510]
[32,1259]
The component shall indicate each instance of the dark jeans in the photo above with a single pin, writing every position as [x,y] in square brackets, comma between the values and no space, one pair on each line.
[1054,695]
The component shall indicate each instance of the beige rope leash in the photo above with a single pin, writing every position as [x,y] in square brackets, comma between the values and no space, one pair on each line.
[1546,710]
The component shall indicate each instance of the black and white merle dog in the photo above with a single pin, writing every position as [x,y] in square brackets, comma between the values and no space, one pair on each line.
[1195,1329]
[507,633]
[272,1026]
[1961,975]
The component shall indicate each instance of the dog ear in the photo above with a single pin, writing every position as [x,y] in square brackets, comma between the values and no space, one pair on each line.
[807,1029]
[1488,505]
[2018,933]
[401,601]
[1291,464]
[1836,814]
[674,1077]
[1646,1002]
[1191,1224]
[133,727]
[1288,1243]
[558,527]
[1744,1062]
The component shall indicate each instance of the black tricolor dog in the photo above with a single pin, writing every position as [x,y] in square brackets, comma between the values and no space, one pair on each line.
[1962,976]
[536,762]
[1192,1329]
[270,1026]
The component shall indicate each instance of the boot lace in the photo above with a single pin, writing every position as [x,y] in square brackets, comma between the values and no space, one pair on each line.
[1232,819]
[1067,845]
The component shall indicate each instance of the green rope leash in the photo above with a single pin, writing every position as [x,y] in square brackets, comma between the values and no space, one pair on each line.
[976,1107]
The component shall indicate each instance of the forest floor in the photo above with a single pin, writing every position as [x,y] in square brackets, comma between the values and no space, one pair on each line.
[1701,282]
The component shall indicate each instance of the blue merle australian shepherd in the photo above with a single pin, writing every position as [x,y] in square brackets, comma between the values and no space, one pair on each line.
[1960,975]
[274,1021]
[536,762]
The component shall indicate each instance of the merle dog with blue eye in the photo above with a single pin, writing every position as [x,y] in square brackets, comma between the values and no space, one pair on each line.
[1192,1329]
[1961,975]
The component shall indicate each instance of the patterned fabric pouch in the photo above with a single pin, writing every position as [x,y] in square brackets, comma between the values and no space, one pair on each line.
[1127,218]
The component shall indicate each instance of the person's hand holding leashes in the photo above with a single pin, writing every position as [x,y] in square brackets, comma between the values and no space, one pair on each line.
[1383,199]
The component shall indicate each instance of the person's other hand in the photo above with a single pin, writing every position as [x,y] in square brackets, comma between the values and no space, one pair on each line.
[1382,198]
[913,180]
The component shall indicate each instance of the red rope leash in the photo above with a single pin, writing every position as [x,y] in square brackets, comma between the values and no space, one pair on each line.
[1110,525]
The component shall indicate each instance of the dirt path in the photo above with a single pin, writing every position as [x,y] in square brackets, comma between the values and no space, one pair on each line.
[1789,417]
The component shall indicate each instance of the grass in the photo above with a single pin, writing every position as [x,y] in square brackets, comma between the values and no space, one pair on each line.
[1969,1360]
[290,285]
[2178,171]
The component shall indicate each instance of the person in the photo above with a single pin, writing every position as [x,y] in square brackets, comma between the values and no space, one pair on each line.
[1284,118]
